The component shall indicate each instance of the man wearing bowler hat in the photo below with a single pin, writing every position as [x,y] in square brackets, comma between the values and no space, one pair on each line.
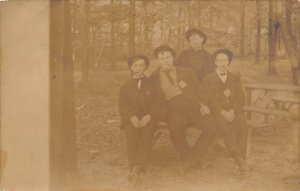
[226,100]
[195,57]
[137,111]
[182,105]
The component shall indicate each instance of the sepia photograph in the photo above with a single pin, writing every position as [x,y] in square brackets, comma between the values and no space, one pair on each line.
[150,95]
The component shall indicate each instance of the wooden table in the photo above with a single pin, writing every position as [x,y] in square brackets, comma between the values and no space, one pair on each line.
[253,105]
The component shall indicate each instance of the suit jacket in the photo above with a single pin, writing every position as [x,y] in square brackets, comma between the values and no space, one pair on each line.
[192,91]
[134,101]
[215,90]
[197,60]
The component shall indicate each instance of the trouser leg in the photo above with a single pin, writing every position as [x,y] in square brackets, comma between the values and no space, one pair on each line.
[132,136]
[228,136]
[177,126]
[145,145]
[241,132]
[209,130]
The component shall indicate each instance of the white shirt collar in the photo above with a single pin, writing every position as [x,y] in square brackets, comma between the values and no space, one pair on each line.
[222,77]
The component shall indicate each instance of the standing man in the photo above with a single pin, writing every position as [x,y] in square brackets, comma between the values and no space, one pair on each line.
[182,106]
[226,100]
[195,57]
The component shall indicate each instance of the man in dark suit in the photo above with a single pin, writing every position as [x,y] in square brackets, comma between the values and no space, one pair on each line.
[182,105]
[226,100]
[137,111]
[195,57]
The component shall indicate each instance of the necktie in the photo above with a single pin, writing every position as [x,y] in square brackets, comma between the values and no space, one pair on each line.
[139,81]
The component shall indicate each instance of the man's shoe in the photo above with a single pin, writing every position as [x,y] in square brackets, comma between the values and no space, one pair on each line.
[184,167]
[243,166]
[134,175]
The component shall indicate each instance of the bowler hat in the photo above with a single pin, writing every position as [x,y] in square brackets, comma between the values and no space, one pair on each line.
[222,51]
[164,48]
[134,58]
[193,31]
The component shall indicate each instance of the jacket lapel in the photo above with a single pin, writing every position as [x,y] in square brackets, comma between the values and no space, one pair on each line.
[178,74]
[156,79]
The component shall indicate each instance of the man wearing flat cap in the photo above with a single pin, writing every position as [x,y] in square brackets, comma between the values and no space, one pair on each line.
[195,57]
[182,105]
[226,100]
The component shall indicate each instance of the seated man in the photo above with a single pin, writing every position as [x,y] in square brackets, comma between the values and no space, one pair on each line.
[182,106]
[226,100]
[138,116]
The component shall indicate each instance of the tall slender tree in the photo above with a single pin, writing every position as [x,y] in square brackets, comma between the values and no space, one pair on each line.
[258,32]
[271,44]
[132,28]
[242,31]
[289,41]
[112,35]
[86,43]
[147,21]
[189,12]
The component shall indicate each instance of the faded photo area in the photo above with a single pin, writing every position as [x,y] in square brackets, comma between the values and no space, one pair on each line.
[162,95]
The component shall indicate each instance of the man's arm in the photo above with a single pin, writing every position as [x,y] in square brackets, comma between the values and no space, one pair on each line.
[208,65]
[180,59]
[157,109]
[211,96]
[124,108]
[200,93]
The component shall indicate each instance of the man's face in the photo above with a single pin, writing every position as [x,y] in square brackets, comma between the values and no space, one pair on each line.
[196,41]
[138,67]
[165,60]
[222,62]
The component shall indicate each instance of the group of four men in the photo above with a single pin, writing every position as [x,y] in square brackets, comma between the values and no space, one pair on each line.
[193,90]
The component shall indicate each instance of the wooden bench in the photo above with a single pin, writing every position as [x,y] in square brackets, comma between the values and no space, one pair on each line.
[294,119]
[163,130]
[269,111]
[285,103]
[282,99]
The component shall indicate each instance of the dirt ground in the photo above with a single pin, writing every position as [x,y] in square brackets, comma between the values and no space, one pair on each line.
[102,145]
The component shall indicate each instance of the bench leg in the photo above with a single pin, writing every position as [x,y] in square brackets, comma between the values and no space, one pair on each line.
[297,126]
[249,137]
[295,137]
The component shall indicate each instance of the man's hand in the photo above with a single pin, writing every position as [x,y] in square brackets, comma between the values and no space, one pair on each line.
[145,120]
[204,110]
[228,115]
[135,121]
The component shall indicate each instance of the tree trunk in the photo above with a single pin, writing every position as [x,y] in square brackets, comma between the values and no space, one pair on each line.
[288,19]
[189,13]
[211,20]
[289,40]
[132,28]
[271,66]
[112,36]
[258,31]
[242,32]
[147,26]
[199,15]
[276,27]
[86,44]
[63,156]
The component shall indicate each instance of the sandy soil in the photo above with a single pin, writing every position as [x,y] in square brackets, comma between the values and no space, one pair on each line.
[102,147]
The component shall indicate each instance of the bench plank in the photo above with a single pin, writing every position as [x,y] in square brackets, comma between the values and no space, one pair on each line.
[286,99]
[282,87]
[270,112]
